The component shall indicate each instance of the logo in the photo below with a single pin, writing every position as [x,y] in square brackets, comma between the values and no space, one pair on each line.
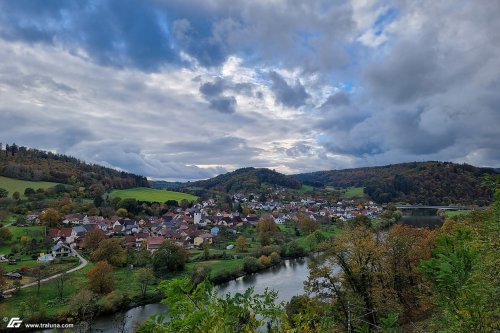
[14,323]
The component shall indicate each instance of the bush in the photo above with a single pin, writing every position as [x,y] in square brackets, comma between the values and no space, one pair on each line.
[251,265]
[112,301]
[265,261]
[267,250]
[275,258]
[225,275]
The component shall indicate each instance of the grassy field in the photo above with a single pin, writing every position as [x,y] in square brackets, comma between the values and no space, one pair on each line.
[452,213]
[348,192]
[17,185]
[149,194]
[17,232]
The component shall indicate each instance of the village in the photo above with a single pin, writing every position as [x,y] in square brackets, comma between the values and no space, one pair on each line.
[196,226]
[192,228]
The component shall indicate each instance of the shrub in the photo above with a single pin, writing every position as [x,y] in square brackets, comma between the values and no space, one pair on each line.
[265,261]
[112,301]
[251,265]
[275,258]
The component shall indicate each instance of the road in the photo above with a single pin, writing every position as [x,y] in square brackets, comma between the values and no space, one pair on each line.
[83,263]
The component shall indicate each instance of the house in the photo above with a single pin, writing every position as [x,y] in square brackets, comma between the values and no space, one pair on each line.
[78,232]
[153,243]
[204,237]
[215,231]
[61,250]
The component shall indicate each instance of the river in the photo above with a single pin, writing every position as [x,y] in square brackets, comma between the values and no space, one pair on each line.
[287,278]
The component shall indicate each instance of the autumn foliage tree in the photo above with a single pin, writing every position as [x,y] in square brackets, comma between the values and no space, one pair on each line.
[242,244]
[101,277]
[369,277]
[92,239]
[268,230]
[111,251]
[50,217]
[306,224]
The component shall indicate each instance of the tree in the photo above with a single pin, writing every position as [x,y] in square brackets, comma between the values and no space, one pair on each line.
[251,264]
[3,280]
[101,277]
[306,224]
[198,308]
[170,257]
[29,191]
[16,195]
[267,229]
[242,244]
[39,274]
[5,235]
[92,239]
[84,304]
[361,220]
[121,212]
[184,203]
[50,217]
[60,281]
[3,193]
[111,251]
[144,277]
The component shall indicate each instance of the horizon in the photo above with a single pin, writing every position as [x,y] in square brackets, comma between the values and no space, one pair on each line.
[187,90]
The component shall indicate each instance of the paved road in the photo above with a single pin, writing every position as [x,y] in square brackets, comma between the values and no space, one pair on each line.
[83,263]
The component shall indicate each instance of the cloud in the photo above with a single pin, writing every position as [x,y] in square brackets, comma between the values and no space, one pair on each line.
[188,88]
[212,91]
[289,95]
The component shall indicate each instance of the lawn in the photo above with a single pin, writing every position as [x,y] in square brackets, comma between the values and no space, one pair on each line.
[37,231]
[16,185]
[217,265]
[152,195]
[452,213]
[348,192]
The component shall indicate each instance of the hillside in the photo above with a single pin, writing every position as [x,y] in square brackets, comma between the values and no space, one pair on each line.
[436,183]
[36,165]
[17,185]
[151,195]
[246,179]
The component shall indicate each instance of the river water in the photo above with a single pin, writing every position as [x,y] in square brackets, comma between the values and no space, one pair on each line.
[287,278]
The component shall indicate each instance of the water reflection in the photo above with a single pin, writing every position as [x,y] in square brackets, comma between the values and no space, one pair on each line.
[287,278]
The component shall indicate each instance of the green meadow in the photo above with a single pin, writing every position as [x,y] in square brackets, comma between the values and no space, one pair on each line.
[16,185]
[151,195]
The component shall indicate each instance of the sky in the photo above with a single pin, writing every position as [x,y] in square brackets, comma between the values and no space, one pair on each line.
[188,89]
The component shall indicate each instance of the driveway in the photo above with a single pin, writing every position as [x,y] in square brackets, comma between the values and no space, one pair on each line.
[83,263]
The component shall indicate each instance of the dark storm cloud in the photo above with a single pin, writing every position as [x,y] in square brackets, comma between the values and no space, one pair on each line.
[223,104]
[139,80]
[118,33]
[294,95]
[212,91]
[300,149]
[233,149]
[411,71]
[150,34]
[338,99]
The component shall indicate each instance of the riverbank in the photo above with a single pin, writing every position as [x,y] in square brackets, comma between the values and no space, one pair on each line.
[287,278]
[46,306]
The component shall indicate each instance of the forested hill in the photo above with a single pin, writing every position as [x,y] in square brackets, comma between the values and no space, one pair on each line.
[246,179]
[434,183]
[33,164]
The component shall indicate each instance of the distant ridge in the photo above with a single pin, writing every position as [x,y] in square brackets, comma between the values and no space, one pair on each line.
[245,179]
[434,183]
